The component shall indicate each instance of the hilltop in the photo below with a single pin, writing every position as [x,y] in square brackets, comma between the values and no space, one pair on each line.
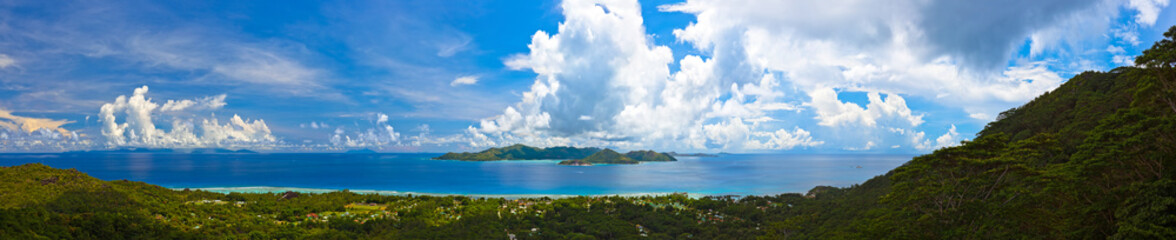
[606,156]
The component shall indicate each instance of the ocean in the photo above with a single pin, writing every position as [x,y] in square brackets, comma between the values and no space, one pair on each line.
[415,173]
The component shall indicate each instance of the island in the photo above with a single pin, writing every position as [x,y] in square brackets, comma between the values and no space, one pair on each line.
[676,154]
[574,156]
[521,152]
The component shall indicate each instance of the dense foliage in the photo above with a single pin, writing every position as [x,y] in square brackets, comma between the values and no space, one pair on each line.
[606,156]
[1095,158]
[650,156]
[43,202]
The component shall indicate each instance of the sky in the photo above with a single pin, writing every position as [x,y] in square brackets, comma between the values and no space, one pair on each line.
[741,76]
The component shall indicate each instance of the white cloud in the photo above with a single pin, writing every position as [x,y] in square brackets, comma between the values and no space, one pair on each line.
[381,118]
[1149,10]
[924,49]
[139,128]
[783,140]
[602,82]
[762,65]
[832,112]
[951,138]
[1130,36]
[948,139]
[6,61]
[1123,60]
[379,135]
[1115,49]
[464,80]
[204,103]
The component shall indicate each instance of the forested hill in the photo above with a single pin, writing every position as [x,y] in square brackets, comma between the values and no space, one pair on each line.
[1095,158]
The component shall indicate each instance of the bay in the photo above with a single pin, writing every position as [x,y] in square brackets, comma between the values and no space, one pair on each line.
[734,174]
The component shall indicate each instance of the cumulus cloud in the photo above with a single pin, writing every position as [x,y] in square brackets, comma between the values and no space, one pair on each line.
[948,139]
[783,140]
[139,128]
[832,112]
[602,82]
[464,80]
[762,65]
[380,135]
[951,138]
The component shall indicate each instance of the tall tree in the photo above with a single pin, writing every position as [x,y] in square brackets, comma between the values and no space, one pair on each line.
[1161,60]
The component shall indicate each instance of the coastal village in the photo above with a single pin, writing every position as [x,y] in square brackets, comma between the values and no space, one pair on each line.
[441,211]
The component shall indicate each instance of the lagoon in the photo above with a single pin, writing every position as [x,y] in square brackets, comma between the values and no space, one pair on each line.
[727,174]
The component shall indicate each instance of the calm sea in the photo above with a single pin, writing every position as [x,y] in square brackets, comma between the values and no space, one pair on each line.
[740,174]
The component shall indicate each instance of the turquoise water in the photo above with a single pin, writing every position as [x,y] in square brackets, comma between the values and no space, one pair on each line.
[739,174]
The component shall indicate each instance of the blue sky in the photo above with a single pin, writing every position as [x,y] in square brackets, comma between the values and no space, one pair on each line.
[693,76]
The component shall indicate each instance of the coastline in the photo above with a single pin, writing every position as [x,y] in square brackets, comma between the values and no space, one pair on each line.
[269,189]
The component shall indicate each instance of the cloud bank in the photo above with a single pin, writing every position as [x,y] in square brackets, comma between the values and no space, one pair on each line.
[138,127]
[765,72]
[601,81]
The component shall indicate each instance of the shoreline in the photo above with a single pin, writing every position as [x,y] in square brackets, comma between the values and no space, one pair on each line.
[268,189]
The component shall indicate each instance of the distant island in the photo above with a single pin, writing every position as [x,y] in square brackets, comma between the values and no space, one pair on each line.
[676,154]
[575,156]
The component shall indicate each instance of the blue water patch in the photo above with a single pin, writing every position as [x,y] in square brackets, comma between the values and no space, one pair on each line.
[741,174]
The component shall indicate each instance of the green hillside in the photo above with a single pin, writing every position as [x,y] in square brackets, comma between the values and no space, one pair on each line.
[606,156]
[650,156]
[1094,158]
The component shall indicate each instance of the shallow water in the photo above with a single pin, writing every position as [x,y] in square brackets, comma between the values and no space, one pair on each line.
[739,174]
